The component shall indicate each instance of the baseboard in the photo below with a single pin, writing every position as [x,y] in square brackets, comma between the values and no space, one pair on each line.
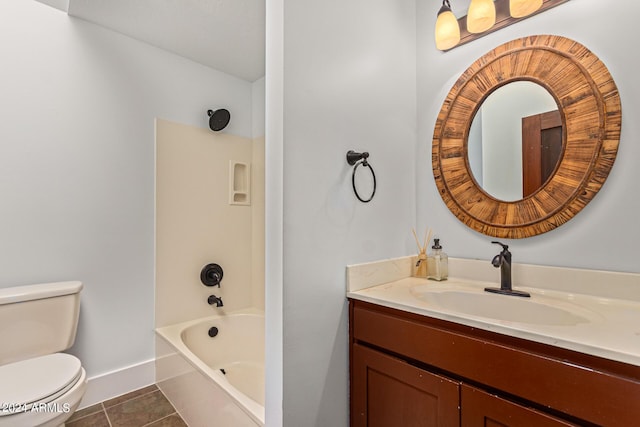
[118,382]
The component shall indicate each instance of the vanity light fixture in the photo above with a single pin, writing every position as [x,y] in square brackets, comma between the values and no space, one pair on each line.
[521,8]
[482,15]
[447,28]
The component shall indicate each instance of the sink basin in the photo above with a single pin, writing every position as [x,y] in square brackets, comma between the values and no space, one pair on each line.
[538,310]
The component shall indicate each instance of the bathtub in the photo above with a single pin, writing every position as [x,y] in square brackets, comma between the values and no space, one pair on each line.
[214,380]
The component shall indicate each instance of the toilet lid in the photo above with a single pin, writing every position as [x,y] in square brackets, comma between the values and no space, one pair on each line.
[40,379]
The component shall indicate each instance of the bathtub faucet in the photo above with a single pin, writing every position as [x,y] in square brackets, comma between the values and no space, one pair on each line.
[215,300]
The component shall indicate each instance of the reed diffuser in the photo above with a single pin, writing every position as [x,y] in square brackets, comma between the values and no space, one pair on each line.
[420,269]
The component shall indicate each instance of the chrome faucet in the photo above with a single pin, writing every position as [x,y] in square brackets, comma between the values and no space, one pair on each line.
[503,260]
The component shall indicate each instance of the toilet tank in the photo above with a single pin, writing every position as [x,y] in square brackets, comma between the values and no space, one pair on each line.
[38,319]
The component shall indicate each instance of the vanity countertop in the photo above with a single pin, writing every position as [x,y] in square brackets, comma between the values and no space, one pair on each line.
[600,325]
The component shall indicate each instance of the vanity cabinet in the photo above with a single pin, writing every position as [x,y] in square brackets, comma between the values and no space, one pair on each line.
[412,370]
[481,408]
[388,391]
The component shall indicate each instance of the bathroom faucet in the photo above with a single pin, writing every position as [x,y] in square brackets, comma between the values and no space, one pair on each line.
[503,260]
[215,300]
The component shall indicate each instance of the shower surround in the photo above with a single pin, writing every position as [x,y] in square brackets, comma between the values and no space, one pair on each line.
[197,223]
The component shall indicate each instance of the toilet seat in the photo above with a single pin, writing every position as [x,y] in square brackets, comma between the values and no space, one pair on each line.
[39,380]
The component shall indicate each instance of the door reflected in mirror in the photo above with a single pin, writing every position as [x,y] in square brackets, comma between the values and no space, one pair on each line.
[515,141]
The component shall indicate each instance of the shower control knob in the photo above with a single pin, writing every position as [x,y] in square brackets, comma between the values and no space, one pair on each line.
[211,275]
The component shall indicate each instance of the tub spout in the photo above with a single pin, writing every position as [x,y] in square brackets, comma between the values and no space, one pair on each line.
[215,300]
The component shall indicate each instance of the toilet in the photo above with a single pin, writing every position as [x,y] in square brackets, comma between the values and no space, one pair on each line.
[39,385]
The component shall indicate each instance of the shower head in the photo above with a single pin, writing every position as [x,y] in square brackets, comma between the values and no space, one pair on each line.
[218,119]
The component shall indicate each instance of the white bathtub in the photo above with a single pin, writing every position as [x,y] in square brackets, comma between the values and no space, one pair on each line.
[214,380]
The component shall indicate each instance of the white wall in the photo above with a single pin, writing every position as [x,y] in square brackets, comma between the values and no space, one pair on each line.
[274,223]
[348,71]
[77,165]
[604,235]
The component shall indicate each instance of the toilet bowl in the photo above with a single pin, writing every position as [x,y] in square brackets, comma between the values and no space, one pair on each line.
[39,385]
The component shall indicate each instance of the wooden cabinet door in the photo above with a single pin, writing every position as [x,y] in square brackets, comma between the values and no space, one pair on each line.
[388,392]
[480,408]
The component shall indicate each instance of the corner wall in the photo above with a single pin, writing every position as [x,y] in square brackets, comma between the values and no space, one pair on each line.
[346,74]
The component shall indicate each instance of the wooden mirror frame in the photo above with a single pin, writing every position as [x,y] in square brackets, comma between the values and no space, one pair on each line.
[591,113]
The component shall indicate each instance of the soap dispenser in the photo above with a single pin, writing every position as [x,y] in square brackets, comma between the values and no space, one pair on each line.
[437,263]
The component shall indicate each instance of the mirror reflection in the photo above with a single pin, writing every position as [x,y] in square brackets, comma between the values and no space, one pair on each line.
[515,140]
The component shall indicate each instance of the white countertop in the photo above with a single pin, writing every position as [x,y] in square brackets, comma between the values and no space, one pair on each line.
[606,327]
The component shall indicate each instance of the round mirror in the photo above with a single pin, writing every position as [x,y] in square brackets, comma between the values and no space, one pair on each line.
[515,140]
[590,117]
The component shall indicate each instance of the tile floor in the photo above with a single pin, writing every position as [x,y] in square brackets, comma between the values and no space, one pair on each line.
[144,407]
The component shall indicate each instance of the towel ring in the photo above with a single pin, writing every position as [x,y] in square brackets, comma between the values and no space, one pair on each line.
[356,159]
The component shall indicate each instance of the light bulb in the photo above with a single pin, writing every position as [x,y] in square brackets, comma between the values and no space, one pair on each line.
[447,28]
[481,16]
[521,8]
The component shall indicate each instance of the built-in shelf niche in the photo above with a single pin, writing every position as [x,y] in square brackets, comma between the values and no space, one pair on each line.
[239,183]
